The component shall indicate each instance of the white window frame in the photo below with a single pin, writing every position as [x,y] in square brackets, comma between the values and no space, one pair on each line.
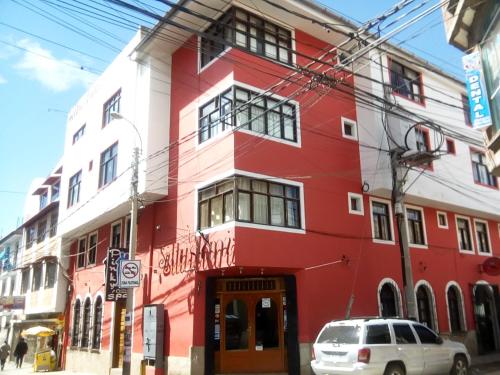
[83,238]
[354,126]
[111,232]
[446,226]
[490,253]
[235,223]
[472,235]
[399,302]
[359,198]
[391,223]
[463,320]
[98,294]
[88,248]
[425,245]
[433,302]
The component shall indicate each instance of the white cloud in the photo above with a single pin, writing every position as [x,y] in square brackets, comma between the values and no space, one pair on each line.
[2,80]
[58,75]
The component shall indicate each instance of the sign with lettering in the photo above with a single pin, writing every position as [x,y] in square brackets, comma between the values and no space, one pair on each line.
[113,290]
[153,327]
[130,273]
[476,91]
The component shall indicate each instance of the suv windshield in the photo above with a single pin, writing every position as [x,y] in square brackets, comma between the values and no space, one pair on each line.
[340,335]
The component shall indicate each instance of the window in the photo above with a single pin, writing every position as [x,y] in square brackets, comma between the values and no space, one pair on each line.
[74,189]
[84,343]
[464,234]
[248,110]
[424,306]
[378,334]
[96,339]
[44,199]
[466,109]
[37,277]
[404,334]
[25,281]
[55,191]
[82,247]
[116,235]
[454,303]
[75,338]
[442,220]
[128,228]
[406,82]
[92,249]
[425,335]
[30,236]
[53,223]
[108,165]
[42,230]
[450,147]
[355,202]
[112,105]
[50,274]
[416,233]
[388,301]
[381,221]
[480,170]
[78,134]
[249,200]
[482,237]
[422,139]
[349,129]
[244,30]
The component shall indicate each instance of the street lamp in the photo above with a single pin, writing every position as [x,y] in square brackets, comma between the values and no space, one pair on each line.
[129,308]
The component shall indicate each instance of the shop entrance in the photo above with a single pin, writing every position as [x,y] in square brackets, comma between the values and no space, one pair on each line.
[252,326]
[486,314]
[118,334]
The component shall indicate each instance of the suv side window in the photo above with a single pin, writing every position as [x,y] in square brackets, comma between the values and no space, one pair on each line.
[378,334]
[404,334]
[425,334]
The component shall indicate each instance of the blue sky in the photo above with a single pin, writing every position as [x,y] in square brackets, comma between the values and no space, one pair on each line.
[47,64]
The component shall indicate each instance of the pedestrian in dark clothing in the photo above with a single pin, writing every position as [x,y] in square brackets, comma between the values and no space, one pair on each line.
[20,351]
[4,354]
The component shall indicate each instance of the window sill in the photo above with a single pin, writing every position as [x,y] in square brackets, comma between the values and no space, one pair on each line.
[383,242]
[418,246]
[486,185]
[485,254]
[470,252]
[421,103]
[96,351]
[235,224]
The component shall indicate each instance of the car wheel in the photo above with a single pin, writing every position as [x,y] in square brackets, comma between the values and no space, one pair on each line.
[394,369]
[460,366]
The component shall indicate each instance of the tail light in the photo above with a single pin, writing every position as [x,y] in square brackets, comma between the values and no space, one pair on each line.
[364,355]
[313,356]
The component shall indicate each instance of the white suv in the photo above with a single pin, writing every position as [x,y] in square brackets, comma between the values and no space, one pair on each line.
[385,346]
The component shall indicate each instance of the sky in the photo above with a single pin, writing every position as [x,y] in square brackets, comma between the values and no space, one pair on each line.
[52,50]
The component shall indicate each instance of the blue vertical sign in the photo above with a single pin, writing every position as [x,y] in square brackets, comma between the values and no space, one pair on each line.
[476,90]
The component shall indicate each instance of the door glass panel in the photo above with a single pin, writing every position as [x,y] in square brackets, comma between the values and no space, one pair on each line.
[266,324]
[236,321]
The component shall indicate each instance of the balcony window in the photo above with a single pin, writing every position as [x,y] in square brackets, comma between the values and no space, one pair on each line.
[249,200]
[248,110]
[406,82]
[30,236]
[480,171]
[37,277]
[107,171]
[244,30]
[25,281]
[112,105]
[42,231]
[74,189]
[53,223]
[55,191]
[44,198]
[50,274]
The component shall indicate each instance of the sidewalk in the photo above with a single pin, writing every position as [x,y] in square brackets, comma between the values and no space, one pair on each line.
[10,369]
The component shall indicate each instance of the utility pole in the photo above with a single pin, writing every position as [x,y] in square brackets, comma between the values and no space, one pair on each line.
[129,309]
[406,269]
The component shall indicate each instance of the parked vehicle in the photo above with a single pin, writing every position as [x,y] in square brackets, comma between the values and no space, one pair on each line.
[386,346]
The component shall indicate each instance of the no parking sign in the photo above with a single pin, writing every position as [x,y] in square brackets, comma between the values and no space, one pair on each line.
[130,273]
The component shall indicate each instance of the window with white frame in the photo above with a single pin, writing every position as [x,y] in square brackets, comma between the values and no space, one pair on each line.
[96,339]
[349,129]
[42,230]
[37,277]
[82,248]
[250,200]
[455,307]
[53,223]
[112,105]
[50,274]
[75,337]
[389,301]
[416,228]
[248,110]
[442,220]
[74,188]
[92,249]
[30,236]
[242,29]
[381,221]
[116,235]
[109,158]
[84,342]
[464,234]
[355,203]
[482,237]
[25,281]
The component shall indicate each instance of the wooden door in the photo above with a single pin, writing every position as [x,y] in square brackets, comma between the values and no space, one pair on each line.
[252,338]
[118,334]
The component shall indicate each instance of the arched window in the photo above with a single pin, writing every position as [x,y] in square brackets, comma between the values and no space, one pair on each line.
[86,324]
[424,306]
[96,339]
[454,309]
[388,300]
[76,324]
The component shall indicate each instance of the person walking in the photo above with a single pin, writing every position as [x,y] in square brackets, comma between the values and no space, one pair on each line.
[20,351]
[4,354]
